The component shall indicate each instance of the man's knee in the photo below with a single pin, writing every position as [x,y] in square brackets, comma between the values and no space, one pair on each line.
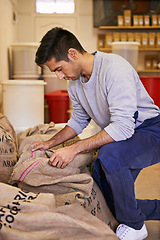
[112,157]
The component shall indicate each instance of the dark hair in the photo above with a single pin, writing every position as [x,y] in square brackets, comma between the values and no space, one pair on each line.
[56,43]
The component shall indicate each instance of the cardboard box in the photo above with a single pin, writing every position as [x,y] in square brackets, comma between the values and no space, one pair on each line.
[152,42]
[155,61]
[140,20]
[138,38]
[135,20]
[120,20]
[116,37]
[148,62]
[145,40]
[158,20]
[154,20]
[158,40]
[123,37]
[101,39]
[130,37]
[108,40]
[146,20]
[127,17]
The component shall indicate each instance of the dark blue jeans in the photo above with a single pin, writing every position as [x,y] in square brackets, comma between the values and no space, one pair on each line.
[117,167]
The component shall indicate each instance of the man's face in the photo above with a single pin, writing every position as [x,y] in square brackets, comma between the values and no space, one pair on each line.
[64,70]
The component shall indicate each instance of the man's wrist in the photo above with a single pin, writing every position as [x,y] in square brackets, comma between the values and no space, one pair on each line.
[51,143]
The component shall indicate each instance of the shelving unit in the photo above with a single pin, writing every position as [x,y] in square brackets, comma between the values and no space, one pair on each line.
[149,70]
[140,49]
[143,51]
[128,27]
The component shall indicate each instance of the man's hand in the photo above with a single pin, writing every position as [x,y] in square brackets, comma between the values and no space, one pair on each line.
[65,134]
[61,157]
[65,155]
[40,145]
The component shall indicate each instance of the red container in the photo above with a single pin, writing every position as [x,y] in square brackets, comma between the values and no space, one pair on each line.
[152,85]
[58,105]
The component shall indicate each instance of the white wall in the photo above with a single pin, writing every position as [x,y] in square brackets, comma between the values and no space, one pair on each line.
[32,26]
[8,34]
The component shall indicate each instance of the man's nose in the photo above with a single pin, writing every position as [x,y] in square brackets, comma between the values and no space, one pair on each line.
[60,75]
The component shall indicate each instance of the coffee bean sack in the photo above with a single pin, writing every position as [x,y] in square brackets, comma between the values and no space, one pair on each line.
[8,149]
[35,216]
[69,185]
[42,132]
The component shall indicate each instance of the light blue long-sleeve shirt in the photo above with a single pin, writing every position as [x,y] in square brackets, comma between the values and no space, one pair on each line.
[112,97]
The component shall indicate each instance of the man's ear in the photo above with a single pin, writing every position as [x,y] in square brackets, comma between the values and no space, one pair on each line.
[72,54]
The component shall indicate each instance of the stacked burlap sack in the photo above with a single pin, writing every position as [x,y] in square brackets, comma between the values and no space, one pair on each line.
[42,132]
[78,209]
[8,149]
[72,184]
[31,216]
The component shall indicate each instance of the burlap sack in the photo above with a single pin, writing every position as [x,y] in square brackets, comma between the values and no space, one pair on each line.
[71,184]
[8,149]
[33,169]
[94,204]
[42,132]
[34,216]
[38,129]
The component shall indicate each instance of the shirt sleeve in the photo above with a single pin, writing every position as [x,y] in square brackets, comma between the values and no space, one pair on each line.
[122,101]
[79,117]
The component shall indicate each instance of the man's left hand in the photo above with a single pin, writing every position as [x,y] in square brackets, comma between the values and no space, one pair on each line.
[62,157]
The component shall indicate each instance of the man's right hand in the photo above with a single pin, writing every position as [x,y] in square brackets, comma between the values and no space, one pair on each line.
[65,134]
[40,145]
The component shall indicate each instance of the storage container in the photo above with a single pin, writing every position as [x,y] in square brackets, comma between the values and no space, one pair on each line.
[46,71]
[23,59]
[23,103]
[58,103]
[26,77]
[54,83]
[152,85]
[128,50]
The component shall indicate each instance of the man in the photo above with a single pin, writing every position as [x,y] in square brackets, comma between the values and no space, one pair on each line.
[105,87]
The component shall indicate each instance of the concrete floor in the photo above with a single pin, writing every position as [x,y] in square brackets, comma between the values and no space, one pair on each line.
[147,186]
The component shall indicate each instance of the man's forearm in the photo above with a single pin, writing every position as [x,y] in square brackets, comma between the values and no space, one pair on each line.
[92,143]
[63,156]
[65,134]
